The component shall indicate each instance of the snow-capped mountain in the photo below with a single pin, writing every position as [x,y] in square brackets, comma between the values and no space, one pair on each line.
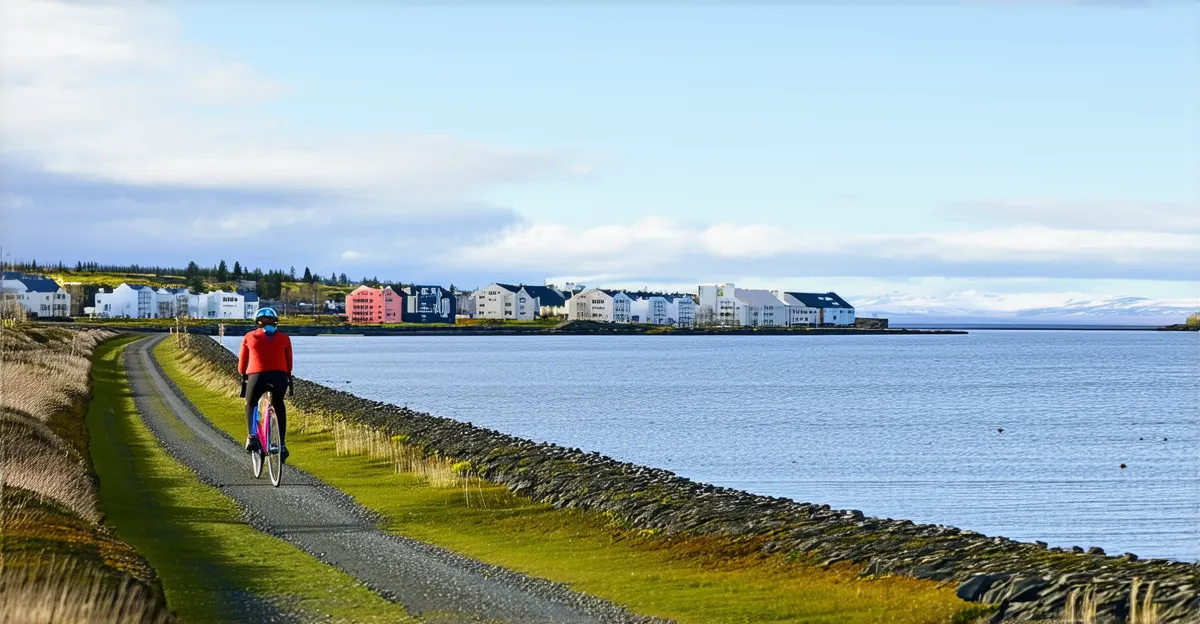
[985,308]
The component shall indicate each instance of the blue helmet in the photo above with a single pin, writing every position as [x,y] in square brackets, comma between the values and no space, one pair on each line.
[266,312]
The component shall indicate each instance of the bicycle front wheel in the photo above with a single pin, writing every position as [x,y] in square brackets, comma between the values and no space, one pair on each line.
[274,449]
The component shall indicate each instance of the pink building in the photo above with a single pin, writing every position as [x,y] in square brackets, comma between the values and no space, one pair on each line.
[372,306]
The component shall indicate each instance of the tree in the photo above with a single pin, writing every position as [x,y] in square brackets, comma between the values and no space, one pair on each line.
[237,270]
[1194,320]
[222,271]
[343,280]
[308,278]
[293,273]
[195,283]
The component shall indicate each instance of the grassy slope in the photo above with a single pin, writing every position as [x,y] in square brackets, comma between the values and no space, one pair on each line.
[193,535]
[692,581]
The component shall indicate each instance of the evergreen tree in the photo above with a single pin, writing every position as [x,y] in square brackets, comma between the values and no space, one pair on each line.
[293,273]
[308,278]
[237,270]
[222,271]
[192,270]
[195,284]
[343,280]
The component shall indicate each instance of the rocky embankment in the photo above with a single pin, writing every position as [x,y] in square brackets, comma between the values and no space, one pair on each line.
[1028,581]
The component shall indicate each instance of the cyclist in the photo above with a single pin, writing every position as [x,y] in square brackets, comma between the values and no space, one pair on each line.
[266,358]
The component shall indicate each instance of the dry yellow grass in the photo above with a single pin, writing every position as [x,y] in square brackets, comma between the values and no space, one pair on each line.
[57,563]
[65,591]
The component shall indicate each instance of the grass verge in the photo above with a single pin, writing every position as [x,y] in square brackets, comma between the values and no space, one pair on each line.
[192,534]
[701,580]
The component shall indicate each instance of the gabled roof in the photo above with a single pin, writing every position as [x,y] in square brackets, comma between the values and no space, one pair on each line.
[40,285]
[12,275]
[820,300]
[508,287]
[611,293]
[756,297]
[545,295]
[178,291]
[249,295]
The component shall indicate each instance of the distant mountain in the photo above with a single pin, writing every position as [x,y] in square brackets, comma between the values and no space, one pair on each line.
[967,308]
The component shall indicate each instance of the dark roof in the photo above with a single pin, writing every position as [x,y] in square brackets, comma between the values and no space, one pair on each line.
[41,285]
[248,295]
[13,275]
[670,297]
[139,287]
[820,300]
[610,292]
[546,296]
[508,287]
[178,291]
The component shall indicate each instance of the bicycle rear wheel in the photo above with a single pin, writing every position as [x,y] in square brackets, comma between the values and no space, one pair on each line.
[274,448]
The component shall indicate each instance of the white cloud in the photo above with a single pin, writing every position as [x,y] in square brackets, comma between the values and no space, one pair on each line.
[350,254]
[665,245]
[114,92]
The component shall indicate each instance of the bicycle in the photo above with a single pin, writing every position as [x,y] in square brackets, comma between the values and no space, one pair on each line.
[267,431]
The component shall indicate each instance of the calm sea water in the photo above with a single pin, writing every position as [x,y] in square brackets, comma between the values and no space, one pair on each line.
[896,426]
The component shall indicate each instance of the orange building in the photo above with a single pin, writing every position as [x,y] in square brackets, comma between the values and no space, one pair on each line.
[372,306]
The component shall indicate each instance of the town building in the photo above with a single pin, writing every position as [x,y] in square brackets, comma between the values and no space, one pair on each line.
[550,301]
[464,303]
[373,306]
[662,309]
[41,297]
[718,305]
[818,309]
[599,304]
[428,304]
[760,308]
[505,302]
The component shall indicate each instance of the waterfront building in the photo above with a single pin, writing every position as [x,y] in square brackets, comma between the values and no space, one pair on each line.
[505,302]
[428,304]
[760,308]
[549,300]
[662,309]
[818,309]
[464,303]
[718,305]
[372,306]
[599,304]
[40,297]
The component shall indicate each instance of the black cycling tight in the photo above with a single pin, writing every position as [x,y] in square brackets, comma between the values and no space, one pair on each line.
[256,386]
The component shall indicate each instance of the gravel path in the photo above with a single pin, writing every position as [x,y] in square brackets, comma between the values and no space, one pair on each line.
[326,523]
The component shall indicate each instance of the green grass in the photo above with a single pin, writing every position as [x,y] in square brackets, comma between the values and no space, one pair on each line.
[192,534]
[691,580]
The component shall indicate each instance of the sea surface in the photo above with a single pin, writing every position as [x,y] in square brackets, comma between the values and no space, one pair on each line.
[1015,433]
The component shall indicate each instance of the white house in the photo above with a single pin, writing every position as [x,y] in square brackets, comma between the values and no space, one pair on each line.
[39,296]
[598,304]
[660,309]
[760,308]
[505,302]
[817,309]
[719,305]
[128,301]
[225,305]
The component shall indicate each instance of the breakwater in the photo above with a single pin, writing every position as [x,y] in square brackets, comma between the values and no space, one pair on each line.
[1036,581]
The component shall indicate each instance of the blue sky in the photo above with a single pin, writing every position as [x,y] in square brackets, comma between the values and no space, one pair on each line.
[1029,152]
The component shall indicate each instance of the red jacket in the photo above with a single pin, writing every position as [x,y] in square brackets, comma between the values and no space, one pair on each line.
[262,353]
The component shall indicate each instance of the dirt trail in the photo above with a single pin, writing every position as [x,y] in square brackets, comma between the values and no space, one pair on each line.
[326,523]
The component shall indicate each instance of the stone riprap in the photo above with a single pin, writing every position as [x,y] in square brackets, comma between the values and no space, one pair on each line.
[1028,580]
